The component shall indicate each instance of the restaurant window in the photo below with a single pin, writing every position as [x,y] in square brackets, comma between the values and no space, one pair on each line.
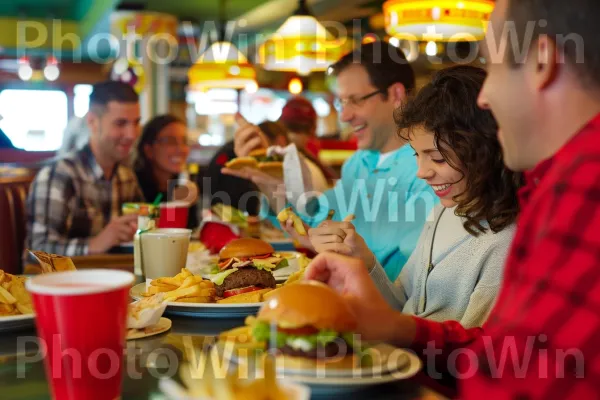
[34,119]
[81,101]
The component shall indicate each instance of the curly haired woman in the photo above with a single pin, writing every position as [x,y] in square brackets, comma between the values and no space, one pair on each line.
[456,268]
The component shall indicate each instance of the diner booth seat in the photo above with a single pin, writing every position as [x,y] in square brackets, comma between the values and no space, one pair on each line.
[13,194]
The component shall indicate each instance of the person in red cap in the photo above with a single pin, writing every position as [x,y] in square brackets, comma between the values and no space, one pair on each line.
[300,118]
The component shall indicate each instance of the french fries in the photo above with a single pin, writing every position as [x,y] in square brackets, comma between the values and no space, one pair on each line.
[213,384]
[14,298]
[184,288]
[286,214]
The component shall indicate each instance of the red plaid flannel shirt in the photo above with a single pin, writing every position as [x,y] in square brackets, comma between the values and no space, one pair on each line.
[542,340]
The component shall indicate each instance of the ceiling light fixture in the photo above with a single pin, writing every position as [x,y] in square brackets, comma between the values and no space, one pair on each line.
[302,45]
[222,65]
[437,20]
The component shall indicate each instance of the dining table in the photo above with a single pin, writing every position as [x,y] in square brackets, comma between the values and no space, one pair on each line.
[146,361]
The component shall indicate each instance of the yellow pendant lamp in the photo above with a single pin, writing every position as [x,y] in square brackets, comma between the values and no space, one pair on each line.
[437,20]
[222,65]
[301,45]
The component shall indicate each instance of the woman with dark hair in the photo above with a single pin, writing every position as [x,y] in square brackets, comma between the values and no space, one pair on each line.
[456,268]
[161,157]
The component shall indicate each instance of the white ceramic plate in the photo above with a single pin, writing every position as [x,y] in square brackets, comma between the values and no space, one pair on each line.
[13,323]
[385,359]
[401,365]
[340,385]
[198,310]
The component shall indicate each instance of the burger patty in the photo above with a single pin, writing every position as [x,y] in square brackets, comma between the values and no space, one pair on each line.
[337,348]
[247,277]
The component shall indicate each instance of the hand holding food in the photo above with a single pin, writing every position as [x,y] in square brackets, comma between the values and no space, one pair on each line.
[294,226]
[349,277]
[287,214]
[248,137]
[269,163]
[342,238]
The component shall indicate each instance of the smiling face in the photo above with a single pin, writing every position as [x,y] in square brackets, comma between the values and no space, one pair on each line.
[114,130]
[372,119]
[446,181]
[170,149]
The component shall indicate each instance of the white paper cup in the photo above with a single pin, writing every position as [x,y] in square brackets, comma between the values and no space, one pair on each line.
[163,252]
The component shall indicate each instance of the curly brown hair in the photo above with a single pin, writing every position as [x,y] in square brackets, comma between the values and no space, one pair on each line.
[447,107]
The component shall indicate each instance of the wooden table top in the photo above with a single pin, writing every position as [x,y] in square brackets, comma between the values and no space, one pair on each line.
[122,262]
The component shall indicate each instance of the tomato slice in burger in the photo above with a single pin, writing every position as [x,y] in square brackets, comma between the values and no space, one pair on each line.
[263,256]
[234,292]
[302,331]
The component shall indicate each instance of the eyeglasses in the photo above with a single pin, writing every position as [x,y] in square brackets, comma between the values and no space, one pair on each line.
[172,141]
[340,104]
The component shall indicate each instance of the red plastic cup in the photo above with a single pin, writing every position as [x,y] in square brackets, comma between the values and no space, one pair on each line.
[81,319]
[173,215]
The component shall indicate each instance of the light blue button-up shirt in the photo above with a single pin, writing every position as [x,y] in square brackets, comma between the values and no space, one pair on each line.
[389,202]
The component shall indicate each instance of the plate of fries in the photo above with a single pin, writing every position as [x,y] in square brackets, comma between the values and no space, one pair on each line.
[191,295]
[210,382]
[16,308]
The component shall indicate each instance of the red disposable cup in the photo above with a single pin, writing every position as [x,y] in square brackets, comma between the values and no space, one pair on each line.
[81,319]
[173,215]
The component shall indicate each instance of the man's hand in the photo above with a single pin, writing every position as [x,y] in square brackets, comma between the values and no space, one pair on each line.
[247,138]
[302,240]
[341,237]
[119,230]
[377,320]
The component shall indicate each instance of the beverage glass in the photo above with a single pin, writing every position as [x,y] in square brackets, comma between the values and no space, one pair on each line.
[162,252]
[174,214]
[81,319]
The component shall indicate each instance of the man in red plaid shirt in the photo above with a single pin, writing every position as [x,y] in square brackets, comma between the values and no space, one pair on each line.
[541,339]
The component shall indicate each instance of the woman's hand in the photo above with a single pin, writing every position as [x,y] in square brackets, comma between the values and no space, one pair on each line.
[341,237]
[302,240]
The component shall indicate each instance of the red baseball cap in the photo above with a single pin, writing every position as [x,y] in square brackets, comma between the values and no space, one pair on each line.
[298,110]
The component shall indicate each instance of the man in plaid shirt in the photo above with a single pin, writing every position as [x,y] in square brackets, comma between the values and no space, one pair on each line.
[74,205]
[541,339]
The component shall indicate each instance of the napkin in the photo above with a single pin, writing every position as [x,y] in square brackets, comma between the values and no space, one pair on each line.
[296,176]
[146,312]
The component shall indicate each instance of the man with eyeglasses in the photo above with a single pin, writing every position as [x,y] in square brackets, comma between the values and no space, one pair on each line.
[378,183]
[74,205]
